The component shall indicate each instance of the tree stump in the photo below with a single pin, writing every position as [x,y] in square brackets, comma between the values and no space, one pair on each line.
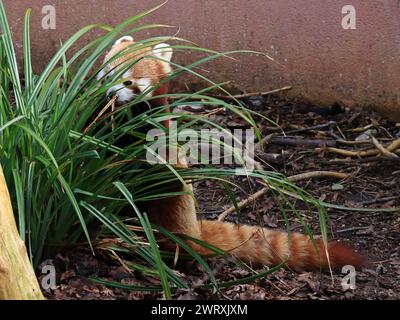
[17,278]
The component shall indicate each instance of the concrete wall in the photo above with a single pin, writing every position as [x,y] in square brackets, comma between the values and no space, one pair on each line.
[322,61]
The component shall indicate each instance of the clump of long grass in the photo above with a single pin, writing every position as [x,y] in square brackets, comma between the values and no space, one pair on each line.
[63,177]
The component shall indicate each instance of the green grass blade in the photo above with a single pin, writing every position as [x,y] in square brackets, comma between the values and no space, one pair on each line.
[150,236]
[28,76]
[21,203]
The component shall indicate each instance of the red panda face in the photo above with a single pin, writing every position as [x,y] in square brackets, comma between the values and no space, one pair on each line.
[144,74]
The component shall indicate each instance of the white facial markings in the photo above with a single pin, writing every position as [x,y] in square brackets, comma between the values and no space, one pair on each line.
[114,89]
[144,84]
[125,95]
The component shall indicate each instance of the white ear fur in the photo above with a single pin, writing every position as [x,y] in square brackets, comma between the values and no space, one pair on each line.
[163,51]
[123,39]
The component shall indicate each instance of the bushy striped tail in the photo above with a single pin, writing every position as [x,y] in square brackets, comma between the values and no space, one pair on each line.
[266,247]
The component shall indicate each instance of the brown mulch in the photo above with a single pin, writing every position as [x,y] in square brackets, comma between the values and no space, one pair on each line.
[373,184]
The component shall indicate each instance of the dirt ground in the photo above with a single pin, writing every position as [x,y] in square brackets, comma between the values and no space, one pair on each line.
[373,183]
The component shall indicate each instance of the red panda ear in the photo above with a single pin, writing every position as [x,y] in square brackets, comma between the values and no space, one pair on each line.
[123,39]
[163,51]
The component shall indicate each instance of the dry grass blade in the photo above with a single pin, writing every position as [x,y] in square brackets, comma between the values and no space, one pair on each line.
[109,104]
[248,95]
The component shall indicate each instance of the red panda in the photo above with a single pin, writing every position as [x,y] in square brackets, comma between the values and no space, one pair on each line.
[150,68]
[251,244]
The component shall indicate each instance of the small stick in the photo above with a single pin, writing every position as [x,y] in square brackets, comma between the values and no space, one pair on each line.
[362,160]
[361,154]
[385,199]
[349,153]
[319,174]
[295,178]
[123,264]
[268,138]
[301,142]
[353,143]
[341,132]
[351,229]
[362,129]
[382,149]
[320,126]
[113,125]
[394,145]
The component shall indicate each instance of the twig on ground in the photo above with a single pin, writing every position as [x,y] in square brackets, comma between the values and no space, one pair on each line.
[349,153]
[341,132]
[273,157]
[305,141]
[360,160]
[351,229]
[353,143]
[361,154]
[123,264]
[320,126]
[295,178]
[319,174]
[365,128]
[382,149]
[301,142]
[378,200]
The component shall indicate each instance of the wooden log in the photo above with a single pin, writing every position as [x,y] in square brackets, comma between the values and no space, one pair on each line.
[17,278]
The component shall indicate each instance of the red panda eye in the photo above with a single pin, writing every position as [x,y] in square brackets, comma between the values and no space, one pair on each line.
[128,83]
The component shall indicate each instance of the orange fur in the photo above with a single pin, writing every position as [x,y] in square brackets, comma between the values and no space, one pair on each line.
[254,245]
[146,65]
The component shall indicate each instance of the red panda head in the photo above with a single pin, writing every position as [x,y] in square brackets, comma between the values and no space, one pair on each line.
[151,66]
